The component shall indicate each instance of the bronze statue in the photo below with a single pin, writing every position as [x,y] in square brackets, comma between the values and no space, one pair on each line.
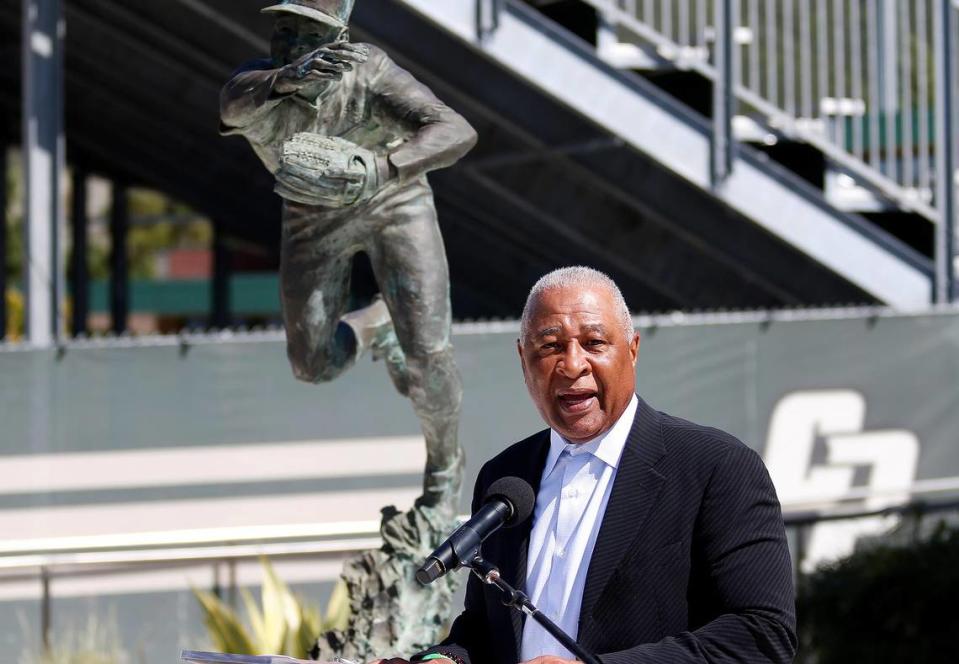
[350,137]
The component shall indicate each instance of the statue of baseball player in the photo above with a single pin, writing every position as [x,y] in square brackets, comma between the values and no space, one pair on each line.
[350,137]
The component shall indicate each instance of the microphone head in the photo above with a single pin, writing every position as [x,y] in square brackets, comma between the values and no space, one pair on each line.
[518,493]
[431,570]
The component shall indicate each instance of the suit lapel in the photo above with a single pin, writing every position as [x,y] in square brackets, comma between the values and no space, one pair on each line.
[635,489]
[513,545]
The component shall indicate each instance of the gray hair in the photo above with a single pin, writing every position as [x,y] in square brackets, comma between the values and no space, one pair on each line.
[573,277]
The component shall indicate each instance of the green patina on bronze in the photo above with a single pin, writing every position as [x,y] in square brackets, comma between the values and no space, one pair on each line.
[350,137]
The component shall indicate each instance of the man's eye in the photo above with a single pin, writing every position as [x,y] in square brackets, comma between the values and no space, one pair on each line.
[596,342]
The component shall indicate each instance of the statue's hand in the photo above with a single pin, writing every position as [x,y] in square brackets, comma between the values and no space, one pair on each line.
[324,64]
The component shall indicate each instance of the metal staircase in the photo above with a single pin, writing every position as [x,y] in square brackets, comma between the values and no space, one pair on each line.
[780,71]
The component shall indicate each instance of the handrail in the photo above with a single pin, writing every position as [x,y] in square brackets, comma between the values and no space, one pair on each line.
[915,507]
[220,543]
[778,119]
[175,539]
[14,568]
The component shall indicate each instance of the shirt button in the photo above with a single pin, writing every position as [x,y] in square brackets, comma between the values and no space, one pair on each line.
[560,552]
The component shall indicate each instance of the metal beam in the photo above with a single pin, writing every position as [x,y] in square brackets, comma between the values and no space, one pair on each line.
[119,263]
[228,24]
[220,287]
[721,145]
[945,45]
[43,150]
[79,272]
[3,234]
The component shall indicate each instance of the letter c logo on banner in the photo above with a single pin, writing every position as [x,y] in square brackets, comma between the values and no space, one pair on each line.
[816,445]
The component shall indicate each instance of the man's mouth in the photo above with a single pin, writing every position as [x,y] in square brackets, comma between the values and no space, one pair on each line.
[577,401]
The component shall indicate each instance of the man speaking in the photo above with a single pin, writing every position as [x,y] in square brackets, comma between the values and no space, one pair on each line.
[653,539]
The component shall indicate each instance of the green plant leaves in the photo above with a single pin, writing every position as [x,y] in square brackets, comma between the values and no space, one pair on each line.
[224,626]
[281,624]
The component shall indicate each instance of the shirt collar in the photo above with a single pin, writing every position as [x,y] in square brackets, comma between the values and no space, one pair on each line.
[607,447]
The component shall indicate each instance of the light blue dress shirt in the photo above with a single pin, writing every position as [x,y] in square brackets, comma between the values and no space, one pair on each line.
[573,493]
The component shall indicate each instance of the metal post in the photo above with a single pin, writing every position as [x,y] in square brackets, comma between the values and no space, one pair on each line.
[42,47]
[800,551]
[487,17]
[220,291]
[217,585]
[945,154]
[805,60]
[873,75]
[3,236]
[856,77]
[79,274]
[753,80]
[232,593]
[722,143]
[772,52]
[46,612]
[839,73]
[906,76]
[119,265]
[788,58]
[922,96]
[889,81]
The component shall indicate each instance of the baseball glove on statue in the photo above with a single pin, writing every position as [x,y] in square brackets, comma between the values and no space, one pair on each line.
[328,171]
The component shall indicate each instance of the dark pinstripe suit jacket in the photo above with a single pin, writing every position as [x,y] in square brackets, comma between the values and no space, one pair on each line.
[690,564]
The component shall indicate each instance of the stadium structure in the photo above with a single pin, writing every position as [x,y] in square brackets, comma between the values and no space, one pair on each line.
[605,140]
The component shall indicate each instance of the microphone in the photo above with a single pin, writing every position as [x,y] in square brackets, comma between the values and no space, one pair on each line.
[508,502]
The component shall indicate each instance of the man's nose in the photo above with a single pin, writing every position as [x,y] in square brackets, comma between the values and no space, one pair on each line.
[574,362]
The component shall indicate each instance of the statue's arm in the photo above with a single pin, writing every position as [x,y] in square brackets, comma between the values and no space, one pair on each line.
[249,95]
[258,86]
[442,136]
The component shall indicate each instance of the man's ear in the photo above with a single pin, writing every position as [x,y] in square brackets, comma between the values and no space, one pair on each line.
[634,347]
[522,360]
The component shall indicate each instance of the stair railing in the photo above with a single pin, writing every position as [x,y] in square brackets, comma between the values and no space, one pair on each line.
[869,83]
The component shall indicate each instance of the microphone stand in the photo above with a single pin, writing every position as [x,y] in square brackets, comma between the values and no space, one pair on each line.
[489,574]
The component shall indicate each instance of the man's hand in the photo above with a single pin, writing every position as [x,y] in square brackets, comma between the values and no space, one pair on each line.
[551,659]
[324,64]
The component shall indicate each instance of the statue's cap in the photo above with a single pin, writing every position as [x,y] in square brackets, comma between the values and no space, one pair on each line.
[331,12]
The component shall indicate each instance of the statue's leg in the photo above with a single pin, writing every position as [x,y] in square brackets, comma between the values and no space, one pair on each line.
[409,262]
[315,286]
[373,327]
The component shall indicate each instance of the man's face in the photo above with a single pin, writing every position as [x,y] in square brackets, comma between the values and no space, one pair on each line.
[580,368]
[294,36]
